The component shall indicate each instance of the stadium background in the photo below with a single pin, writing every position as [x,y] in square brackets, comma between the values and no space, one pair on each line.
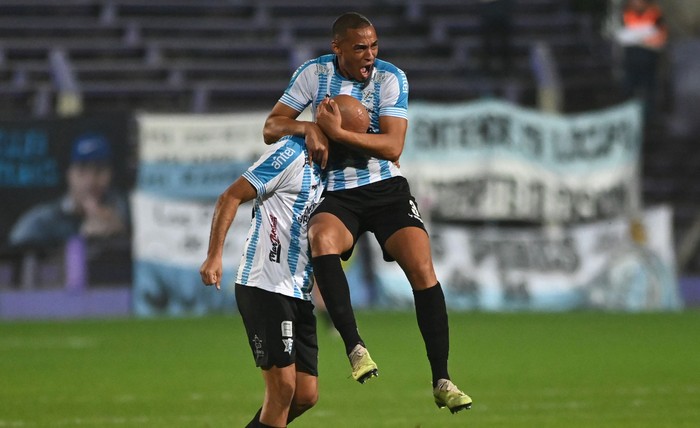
[182,88]
[201,76]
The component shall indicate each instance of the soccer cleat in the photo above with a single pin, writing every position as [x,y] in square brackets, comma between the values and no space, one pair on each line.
[363,367]
[448,395]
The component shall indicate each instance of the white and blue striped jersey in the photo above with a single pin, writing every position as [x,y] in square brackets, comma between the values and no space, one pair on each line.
[385,94]
[276,255]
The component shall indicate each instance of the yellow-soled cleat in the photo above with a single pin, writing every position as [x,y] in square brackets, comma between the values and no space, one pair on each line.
[448,395]
[363,367]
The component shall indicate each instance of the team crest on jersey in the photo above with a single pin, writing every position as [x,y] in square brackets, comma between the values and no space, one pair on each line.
[379,77]
[275,245]
[322,70]
[414,212]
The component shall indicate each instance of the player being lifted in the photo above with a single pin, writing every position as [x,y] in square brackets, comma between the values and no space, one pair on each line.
[274,279]
[365,190]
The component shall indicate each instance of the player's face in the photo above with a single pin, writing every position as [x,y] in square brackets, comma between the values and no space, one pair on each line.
[356,52]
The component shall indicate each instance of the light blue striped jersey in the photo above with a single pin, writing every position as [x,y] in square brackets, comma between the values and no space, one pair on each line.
[385,94]
[276,255]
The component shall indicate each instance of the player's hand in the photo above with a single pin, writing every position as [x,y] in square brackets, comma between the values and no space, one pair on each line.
[210,272]
[328,118]
[316,145]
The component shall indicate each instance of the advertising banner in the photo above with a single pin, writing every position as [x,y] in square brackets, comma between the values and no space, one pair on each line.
[185,163]
[196,156]
[490,160]
[65,219]
[592,266]
[483,161]
[170,243]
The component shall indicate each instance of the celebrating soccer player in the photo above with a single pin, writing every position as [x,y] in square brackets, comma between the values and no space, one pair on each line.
[274,279]
[365,190]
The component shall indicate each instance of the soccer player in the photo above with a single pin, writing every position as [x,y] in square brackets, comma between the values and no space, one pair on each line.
[274,279]
[365,190]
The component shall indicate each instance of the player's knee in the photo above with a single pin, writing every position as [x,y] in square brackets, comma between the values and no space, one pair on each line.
[325,242]
[283,395]
[304,400]
[282,390]
[424,269]
[421,274]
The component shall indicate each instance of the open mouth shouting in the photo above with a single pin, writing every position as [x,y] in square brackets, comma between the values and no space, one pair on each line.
[366,72]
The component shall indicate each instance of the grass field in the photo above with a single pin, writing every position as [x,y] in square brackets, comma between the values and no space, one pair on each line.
[522,370]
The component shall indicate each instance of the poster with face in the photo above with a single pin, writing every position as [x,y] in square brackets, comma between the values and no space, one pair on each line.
[74,164]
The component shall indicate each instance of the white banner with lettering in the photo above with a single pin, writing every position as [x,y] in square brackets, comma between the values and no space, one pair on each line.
[595,265]
[478,161]
[170,243]
[490,160]
[185,163]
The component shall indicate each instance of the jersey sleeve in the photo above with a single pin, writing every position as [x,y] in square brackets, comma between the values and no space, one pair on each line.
[302,87]
[394,95]
[275,167]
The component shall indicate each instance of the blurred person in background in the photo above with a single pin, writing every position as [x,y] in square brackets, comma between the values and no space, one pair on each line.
[643,36]
[90,208]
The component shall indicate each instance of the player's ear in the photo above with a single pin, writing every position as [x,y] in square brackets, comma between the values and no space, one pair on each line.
[335,47]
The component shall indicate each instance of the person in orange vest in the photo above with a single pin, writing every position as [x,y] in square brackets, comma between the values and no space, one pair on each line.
[643,37]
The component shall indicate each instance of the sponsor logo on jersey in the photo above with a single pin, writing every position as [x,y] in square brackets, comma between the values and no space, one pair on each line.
[404,84]
[279,160]
[304,217]
[275,245]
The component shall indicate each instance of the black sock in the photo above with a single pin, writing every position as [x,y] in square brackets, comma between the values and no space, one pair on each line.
[333,285]
[431,313]
[255,423]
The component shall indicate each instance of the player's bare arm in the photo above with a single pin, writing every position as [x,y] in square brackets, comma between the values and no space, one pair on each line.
[282,121]
[225,211]
[387,144]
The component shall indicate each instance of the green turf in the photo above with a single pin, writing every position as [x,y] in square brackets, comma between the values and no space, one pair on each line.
[522,370]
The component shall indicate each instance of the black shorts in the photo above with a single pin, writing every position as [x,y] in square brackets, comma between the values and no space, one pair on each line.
[381,208]
[281,329]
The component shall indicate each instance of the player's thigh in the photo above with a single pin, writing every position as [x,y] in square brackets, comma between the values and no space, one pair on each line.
[280,384]
[305,344]
[410,247]
[329,235]
[269,319]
